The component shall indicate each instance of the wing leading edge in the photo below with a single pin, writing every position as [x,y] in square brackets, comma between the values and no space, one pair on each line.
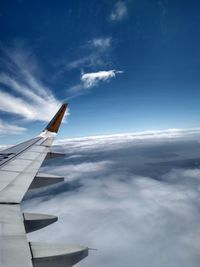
[19,166]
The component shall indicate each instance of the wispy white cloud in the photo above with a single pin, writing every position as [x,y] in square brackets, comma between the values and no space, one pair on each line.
[6,128]
[89,60]
[21,92]
[77,90]
[96,50]
[102,43]
[93,78]
[119,12]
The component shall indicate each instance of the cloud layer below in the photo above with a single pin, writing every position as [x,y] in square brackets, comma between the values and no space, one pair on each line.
[135,199]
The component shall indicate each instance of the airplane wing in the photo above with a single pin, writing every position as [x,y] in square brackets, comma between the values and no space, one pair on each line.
[19,167]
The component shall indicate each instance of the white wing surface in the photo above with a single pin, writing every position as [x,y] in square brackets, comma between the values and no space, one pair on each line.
[19,166]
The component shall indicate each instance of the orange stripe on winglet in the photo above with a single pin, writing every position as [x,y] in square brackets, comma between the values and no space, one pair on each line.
[54,124]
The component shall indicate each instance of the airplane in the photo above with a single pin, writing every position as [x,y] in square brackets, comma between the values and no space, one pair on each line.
[19,167]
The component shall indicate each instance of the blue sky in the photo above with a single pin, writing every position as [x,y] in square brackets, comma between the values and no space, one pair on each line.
[123,66]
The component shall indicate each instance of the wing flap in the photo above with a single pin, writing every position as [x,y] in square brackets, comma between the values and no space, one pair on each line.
[33,221]
[45,255]
[45,179]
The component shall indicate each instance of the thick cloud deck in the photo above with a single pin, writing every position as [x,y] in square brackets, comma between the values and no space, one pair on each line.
[135,200]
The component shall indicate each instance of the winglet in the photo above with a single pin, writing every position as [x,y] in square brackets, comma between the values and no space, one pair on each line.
[54,124]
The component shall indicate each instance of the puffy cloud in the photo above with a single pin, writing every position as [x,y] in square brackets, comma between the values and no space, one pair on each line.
[119,12]
[109,203]
[89,80]
[93,78]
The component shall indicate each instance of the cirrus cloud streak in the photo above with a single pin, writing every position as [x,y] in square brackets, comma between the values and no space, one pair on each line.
[21,91]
